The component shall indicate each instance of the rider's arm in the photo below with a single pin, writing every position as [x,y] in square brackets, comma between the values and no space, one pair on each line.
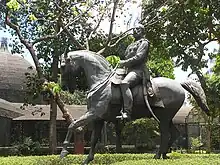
[140,56]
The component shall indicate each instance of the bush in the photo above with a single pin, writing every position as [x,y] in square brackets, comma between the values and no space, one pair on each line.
[78,97]
[195,144]
[115,159]
[143,133]
[26,147]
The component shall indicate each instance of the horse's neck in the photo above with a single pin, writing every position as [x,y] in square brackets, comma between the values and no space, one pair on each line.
[95,74]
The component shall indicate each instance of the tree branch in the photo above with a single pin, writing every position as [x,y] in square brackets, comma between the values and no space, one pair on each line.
[78,16]
[27,44]
[80,46]
[118,41]
[122,34]
[44,38]
[120,37]
[94,30]
[112,21]
[143,19]
[210,40]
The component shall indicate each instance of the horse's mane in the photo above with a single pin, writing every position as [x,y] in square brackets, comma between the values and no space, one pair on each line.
[98,57]
[103,61]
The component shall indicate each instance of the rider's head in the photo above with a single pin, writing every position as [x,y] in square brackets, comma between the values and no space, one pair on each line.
[138,31]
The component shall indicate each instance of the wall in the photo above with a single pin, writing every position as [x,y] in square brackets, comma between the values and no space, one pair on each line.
[5,125]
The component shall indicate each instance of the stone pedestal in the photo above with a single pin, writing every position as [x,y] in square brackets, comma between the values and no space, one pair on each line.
[79,142]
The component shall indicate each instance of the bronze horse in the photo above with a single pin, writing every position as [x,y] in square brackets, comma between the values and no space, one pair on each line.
[104,101]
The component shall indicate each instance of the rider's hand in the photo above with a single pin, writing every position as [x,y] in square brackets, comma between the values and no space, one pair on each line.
[122,63]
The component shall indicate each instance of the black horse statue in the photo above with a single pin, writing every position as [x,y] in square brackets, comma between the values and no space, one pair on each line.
[105,101]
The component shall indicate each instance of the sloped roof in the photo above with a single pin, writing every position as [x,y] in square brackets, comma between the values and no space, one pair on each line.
[12,76]
[8,110]
[182,114]
[42,112]
[12,71]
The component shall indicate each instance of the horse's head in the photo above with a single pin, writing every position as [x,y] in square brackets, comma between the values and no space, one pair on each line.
[68,72]
[95,67]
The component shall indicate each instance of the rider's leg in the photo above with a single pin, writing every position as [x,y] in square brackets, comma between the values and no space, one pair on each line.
[127,99]
[130,80]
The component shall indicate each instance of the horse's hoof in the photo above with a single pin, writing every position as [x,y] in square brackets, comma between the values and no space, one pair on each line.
[63,153]
[156,156]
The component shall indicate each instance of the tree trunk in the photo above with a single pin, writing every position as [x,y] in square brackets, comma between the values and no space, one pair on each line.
[53,131]
[53,111]
[209,136]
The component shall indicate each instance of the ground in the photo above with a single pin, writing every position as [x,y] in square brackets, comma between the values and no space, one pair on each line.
[115,159]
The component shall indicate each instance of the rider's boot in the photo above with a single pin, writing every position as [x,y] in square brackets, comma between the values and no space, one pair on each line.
[128,102]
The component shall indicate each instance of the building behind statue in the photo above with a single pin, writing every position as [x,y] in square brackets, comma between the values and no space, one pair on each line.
[33,121]
[12,85]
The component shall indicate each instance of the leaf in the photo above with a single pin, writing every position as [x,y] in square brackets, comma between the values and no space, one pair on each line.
[113,60]
[32,17]
[13,4]
[56,89]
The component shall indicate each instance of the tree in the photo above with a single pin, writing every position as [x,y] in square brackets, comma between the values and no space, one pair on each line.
[183,28]
[48,29]
[213,100]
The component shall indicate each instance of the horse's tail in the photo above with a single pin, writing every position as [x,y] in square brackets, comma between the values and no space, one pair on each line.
[198,93]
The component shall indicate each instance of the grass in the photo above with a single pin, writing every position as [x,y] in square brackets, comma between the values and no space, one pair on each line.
[115,159]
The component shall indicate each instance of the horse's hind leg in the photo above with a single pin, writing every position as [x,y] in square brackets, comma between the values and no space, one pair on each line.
[164,139]
[96,134]
[83,120]
[174,132]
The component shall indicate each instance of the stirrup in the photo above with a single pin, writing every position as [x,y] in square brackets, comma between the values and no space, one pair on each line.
[123,116]
[150,92]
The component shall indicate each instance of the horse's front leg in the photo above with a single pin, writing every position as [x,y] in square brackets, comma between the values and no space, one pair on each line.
[96,134]
[83,120]
[118,130]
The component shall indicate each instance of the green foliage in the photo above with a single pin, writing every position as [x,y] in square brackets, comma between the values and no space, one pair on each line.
[26,147]
[32,17]
[52,86]
[161,64]
[216,68]
[33,87]
[115,159]
[13,4]
[184,29]
[113,60]
[195,143]
[77,98]
[141,132]
[213,94]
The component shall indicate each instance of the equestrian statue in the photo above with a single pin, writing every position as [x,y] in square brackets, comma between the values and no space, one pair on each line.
[128,93]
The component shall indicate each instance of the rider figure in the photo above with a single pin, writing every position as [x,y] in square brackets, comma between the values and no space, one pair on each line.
[136,56]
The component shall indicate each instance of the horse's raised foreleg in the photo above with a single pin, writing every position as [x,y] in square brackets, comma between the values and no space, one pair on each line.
[96,134]
[164,135]
[83,120]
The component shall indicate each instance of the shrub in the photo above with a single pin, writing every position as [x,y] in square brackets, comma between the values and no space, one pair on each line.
[195,143]
[26,147]
[142,133]
[115,159]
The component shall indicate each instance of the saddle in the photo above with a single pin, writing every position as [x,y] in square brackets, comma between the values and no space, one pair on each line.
[154,98]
